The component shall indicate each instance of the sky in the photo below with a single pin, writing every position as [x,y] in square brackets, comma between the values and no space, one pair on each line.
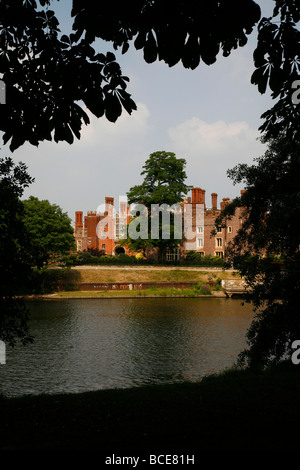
[209,116]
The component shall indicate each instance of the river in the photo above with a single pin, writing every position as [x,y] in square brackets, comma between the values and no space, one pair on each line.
[92,344]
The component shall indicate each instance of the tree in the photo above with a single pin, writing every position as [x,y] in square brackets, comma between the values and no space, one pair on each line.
[266,249]
[191,32]
[49,75]
[163,185]
[15,260]
[50,230]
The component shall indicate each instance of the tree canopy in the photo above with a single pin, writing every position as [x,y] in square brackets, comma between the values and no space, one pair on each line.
[163,185]
[50,77]
[266,249]
[49,228]
[15,257]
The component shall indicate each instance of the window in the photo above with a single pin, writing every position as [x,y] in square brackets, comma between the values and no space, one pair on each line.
[199,242]
[79,245]
[220,254]
[219,229]
[103,246]
[219,242]
[200,229]
[173,255]
[230,229]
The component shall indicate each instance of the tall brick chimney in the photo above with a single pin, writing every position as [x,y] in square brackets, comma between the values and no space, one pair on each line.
[198,196]
[109,201]
[214,201]
[78,219]
[224,202]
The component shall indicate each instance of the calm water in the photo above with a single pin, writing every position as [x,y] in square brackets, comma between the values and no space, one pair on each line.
[83,345]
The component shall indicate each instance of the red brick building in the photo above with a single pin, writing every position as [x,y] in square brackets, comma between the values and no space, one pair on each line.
[102,231]
[88,233]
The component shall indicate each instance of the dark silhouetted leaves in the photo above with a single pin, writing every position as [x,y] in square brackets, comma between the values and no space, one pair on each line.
[47,76]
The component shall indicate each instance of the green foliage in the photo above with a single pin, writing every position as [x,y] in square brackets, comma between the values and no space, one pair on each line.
[195,258]
[49,228]
[266,249]
[15,259]
[51,78]
[47,281]
[164,184]
[203,288]
[218,285]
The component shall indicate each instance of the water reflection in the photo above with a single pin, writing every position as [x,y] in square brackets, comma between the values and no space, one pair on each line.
[95,344]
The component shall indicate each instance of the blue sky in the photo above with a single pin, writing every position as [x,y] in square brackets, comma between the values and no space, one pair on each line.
[209,116]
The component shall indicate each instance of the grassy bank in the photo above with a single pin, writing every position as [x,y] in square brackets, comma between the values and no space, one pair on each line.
[151,292]
[238,410]
[150,275]
[52,280]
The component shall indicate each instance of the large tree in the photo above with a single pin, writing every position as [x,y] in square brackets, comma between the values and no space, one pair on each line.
[50,230]
[266,250]
[15,256]
[163,185]
[50,77]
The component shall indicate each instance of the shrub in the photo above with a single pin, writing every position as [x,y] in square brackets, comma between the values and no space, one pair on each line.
[203,288]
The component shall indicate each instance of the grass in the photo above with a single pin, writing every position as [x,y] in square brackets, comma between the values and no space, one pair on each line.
[150,275]
[236,410]
[151,292]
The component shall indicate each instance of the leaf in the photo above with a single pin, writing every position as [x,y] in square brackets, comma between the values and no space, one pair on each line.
[260,78]
[140,40]
[125,47]
[113,108]
[276,79]
[16,142]
[150,49]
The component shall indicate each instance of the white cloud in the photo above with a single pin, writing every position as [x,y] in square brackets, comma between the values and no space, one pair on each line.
[212,148]
[101,131]
[101,163]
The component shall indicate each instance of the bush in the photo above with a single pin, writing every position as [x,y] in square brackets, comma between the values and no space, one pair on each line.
[218,285]
[203,288]
[195,258]
[47,280]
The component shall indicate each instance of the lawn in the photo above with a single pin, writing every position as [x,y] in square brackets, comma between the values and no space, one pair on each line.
[237,410]
[150,275]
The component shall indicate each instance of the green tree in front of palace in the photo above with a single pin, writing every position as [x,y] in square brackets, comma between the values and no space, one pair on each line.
[15,256]
[266,250]
[50,230]
[164,184]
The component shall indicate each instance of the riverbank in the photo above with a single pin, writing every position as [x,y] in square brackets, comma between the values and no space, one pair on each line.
[237,410]
[128,281]
[124,274]
[126,294]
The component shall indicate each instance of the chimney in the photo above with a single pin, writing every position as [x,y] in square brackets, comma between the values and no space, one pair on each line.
[109,201]
[214,201]
[195,195]
[202,197]
[78,219]
[198,196]
[224,202]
